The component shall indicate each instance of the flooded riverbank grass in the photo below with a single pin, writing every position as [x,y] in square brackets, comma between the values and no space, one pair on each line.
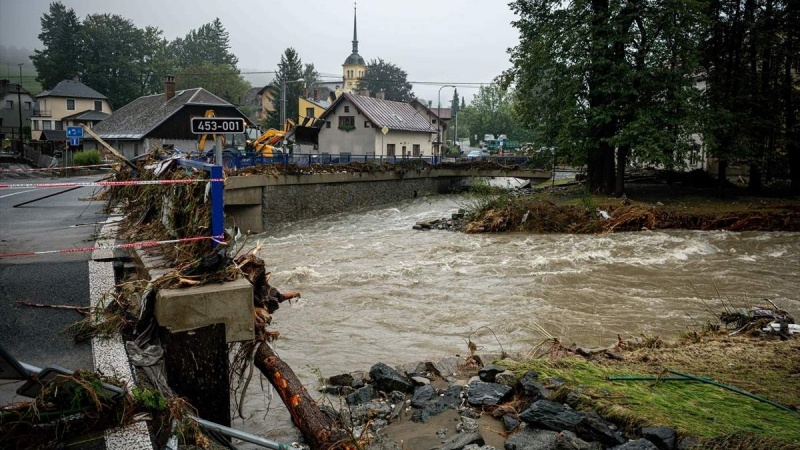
[767,368]
[571,209]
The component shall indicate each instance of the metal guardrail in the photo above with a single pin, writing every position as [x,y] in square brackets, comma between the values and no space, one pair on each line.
[236,161]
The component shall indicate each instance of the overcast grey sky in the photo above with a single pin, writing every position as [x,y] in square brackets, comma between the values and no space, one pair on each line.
[439,41]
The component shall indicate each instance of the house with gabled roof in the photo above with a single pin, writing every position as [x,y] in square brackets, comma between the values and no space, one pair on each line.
[357,125]
[15,101]
[439,117]
[162,119]
[70,102]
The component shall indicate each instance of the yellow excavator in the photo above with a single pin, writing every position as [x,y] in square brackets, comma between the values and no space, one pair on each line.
[266,143]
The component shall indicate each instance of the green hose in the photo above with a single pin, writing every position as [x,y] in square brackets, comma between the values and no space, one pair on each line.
[687,377]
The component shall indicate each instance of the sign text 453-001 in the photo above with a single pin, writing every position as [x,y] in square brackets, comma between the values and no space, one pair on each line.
[203,125]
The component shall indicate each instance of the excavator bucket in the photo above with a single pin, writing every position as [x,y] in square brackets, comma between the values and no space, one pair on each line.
[306,135]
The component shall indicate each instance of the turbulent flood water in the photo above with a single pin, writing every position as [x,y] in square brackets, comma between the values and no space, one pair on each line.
[374,290]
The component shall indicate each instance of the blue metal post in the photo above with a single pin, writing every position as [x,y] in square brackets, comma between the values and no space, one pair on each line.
[217,203]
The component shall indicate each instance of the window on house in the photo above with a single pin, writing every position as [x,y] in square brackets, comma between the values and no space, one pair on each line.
[346,109]
[309,112]
[347,122]
[35,124]
[327,124]
[59,125]
[98,105]
[9,104]
[433,121]
[70,104]
[404,150]
[389,149]
[366,124]
[28,105]
[47,125]
[415,149]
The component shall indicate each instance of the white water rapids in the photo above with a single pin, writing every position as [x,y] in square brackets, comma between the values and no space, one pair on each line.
[374,290]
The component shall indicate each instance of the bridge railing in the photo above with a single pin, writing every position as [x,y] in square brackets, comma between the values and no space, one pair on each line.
[237,161]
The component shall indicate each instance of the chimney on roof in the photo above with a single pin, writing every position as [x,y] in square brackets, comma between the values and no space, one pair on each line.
[305,92]
[380,95]
[169,87]
[76,78]
[316,95]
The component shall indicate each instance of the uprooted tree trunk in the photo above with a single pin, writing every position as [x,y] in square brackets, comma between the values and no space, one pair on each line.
[318,429]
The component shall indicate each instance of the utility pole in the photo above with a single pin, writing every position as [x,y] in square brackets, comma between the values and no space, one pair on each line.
[19,105]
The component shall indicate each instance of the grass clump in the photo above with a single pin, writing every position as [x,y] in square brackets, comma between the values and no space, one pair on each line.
[88,158]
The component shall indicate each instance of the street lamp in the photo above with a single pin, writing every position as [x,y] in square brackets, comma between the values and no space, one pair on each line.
[19,105]
[283,106]
[439,122]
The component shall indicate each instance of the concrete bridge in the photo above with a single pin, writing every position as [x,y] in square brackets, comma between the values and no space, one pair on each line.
[257,202]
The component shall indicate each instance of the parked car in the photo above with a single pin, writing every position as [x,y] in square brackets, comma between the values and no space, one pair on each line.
[476,154]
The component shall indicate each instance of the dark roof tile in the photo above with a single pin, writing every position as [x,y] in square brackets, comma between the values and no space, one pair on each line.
[141,116]
[71,88]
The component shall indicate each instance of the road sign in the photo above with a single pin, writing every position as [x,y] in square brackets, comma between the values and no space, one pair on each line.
[74,141]
[385,129]
[210,125]
[75,132]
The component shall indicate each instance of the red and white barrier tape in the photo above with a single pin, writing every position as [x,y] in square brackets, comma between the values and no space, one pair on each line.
[217,239]
[107,183]
[41,169]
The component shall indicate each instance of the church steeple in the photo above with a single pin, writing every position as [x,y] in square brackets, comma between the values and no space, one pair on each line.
[354,66]
[355,32]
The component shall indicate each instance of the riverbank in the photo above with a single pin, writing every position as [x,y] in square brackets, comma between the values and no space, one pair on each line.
[649,204]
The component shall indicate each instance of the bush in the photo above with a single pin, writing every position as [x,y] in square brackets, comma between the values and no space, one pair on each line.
[88,158]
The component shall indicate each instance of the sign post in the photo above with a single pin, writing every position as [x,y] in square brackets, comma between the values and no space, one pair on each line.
[384,130]
[74,134]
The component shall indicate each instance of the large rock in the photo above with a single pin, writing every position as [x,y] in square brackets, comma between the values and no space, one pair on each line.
[451,398]
[445,367]
[487,373]
[557,417]
[482,393]
[638,444]
[344,379]
[664,438]
[361,396]
[461,440]
[531,439]
[531,385]
[387,379]
[422,395]
[567,440]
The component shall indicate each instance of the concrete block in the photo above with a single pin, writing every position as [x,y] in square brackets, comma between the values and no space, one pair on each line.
[230,303]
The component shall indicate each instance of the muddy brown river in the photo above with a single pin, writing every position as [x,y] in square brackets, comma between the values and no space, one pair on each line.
[374,290]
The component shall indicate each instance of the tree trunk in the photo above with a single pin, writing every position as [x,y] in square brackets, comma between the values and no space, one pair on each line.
[317,428]
[722,176]
[622,161]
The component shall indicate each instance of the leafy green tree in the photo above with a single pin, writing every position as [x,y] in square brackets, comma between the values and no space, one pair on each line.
[156,62]
[599,78]
[750,52]
[310,76]
[290,69]
[58,60]
[490,112]
[454,103]
[386,77]
[219,79]
[207,45]
[112,49]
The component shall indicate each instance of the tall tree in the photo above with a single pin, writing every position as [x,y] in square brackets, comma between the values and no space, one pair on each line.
[290,69]
[383,76]
[112,50]
[156,62]
[208,44]
[58,60]
[594,77]
[219,79]
[454,103]
[490,112]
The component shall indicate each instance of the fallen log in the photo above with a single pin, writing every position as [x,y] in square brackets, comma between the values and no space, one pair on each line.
[318,429]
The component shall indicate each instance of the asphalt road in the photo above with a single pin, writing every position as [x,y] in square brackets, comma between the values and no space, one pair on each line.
[69,220]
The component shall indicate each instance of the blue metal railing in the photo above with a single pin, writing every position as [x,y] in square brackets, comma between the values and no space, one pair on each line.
[238,161]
